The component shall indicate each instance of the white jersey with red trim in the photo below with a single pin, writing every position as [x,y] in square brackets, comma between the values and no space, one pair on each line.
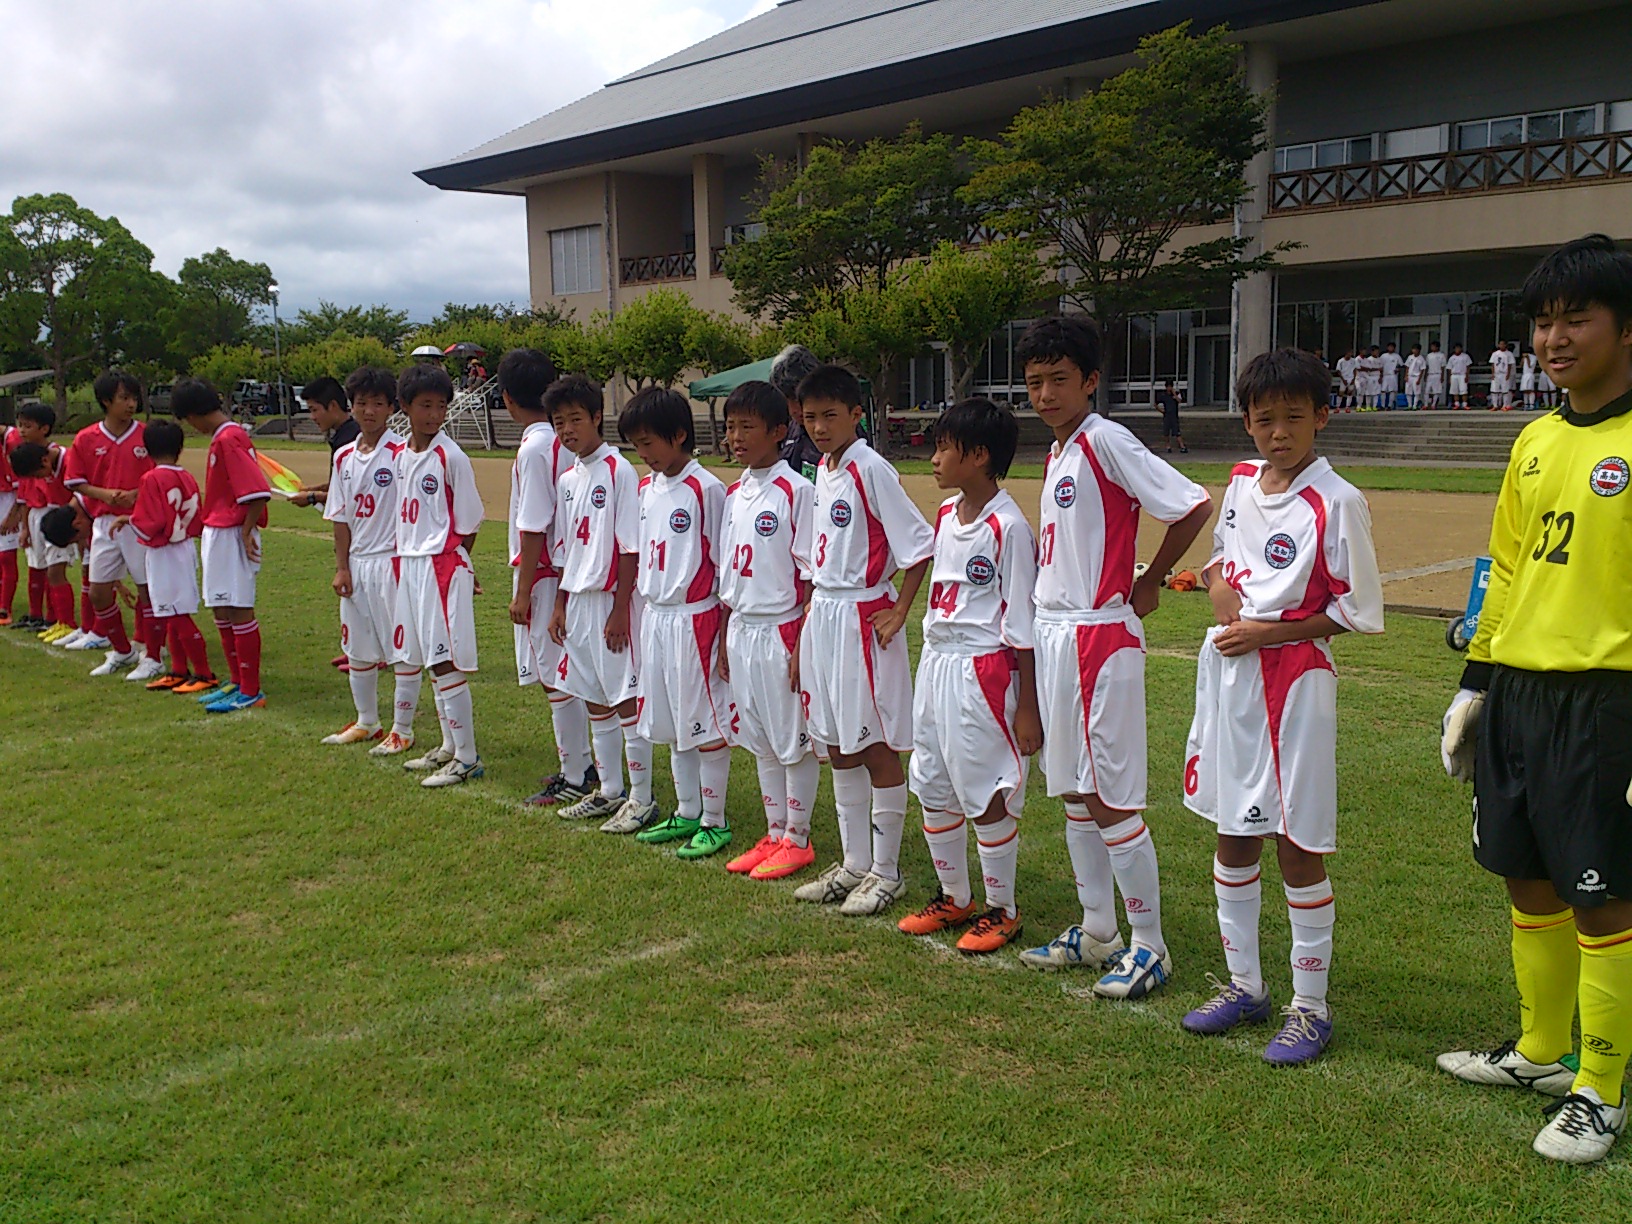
[437,502]
[766,540]
[363,489]
[1308,550]
[866,526]
[1094,486]
[597,520]
[981,578]
[680,520]
[541,461]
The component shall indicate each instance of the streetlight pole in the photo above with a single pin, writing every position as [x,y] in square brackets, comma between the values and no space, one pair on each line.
[277,347]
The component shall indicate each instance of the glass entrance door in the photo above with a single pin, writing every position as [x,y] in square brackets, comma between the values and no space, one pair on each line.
[1403,331]
[1210,368]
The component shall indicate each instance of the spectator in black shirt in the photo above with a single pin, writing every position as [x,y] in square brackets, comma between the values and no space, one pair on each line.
[1168,401]
[330,411]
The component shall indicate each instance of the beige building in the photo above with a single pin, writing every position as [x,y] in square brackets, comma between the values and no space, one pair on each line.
[1424,153]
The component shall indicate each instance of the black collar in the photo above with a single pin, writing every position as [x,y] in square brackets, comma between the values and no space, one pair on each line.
[347,431]
[1619,406]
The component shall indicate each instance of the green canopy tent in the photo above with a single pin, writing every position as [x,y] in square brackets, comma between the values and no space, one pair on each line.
[716,386]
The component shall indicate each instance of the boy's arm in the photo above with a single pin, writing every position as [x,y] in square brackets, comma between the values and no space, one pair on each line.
[1245,636]
[532,549]
[1506,536]
[1028,719]
[1147,590]
[342,558]
[558,619]
[617,625]
[888,623]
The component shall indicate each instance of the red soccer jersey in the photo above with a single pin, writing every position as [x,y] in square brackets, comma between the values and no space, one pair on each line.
[42,492]
[166,507]
[98,457]
[12,440]
[234,480]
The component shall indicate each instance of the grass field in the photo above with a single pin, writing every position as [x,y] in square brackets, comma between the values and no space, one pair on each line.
[246,977]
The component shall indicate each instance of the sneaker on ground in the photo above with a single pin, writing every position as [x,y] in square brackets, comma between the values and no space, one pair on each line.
[115,662]
[829,888]
[939,915]
[1230,1005]
[631,817]
[193,686]
[593,806]
[238,701]
[556,789]
[675,828]
[787,859]
[1303,1038]
[1074,948]
[1581,1129]
[992,930]
[54,634]
[453,773]
[1505,1067]
[217,693]
[354,733]
[1137,973]
[166,682]
[392,745]
[709,839]
[873,895]
[87,641]
[146,670]
[430,762]
[754,855]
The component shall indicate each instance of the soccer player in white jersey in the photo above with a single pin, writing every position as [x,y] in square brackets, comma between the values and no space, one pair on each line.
[1292,566]
[765,586]
[1457,368]
[683,701]
[1416,365]
[362,504]
[1435,374]
[1091,652]
[541,460]
[597,608]
[1501,378]
[1391,362]
[853,667]
[1348,367]
[1371,378]
[974,718]
[438,512]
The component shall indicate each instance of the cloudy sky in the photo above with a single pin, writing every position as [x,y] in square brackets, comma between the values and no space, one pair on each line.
[288,131]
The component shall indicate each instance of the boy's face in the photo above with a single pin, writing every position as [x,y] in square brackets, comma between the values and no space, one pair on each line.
[32,431]
[666,456]
[580,429]
[956,468]
[426,412]
[1060,392]
[830,424]
[753,443]
[372,410]
[122,407]
[1284,429]
[1579,348]
[326,416]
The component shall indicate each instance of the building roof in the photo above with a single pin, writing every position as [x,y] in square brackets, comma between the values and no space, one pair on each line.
[809,58]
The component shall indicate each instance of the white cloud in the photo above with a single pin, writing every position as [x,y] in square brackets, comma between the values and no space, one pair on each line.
[288,131]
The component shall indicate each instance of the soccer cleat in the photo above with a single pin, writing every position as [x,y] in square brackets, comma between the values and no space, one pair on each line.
[86,641]
[1137,973]
[392,745]
[353,733]
[556,789]
[1581,1129]
[30,624]
[147,669]
[873,895]
[237,701]
[754,855]
[5,619]
[832,886]
[938,915]
[166,682]
[218,693]
[453,773]
[1230,1005]
[430,762]
[1074,948]
[631,817]
[1303,1038]
[1505,1067]
[706,841]
[55,633]
[115,662]
[675,828]
[787,859]
[593,806]
[195,685]
[992,930]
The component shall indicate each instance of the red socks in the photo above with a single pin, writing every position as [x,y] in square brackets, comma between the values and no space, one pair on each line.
[61,597]
[152,629]
[229,647]
[8,579]
[187,649]
[111,625]
[248,641]
[36,594]
[87,613]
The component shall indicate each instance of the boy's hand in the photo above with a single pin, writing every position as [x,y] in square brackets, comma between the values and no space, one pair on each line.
[887,623]
[1245,636]
[475,582]
[119,524]
[723,667]
[793,671]
[252,541]
[123,499]
[521,608]
[125,594]
[617,631]
[1226,601]
[1147,593]
[342,583]
[558,627]
[1028,732]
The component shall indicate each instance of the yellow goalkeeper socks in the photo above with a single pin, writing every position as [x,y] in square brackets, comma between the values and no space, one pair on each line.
[1546,966]
[1606,1013]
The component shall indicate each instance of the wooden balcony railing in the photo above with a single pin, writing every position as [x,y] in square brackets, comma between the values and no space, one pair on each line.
[1432,176]
[646,269]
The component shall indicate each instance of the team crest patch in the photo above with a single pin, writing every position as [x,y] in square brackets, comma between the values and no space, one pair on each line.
[1611,476]
[980,571]
[840,514]
[1065,493]
[597,497]
[680,521]
[1281,550]
[382,477]
[140,452]
[429,484]
[766,523]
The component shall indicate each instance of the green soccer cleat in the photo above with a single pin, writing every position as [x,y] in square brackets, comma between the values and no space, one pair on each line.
[704,842]
[675,828]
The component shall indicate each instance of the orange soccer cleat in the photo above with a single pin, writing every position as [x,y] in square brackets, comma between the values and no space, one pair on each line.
[754,856]
[992,930]
[939,915]
[785,861]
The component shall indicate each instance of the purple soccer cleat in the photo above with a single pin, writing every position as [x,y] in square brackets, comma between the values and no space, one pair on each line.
[1229,1007]
[1303,1038]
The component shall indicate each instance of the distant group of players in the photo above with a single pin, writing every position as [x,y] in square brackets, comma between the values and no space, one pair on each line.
[672,609]
[1371,380]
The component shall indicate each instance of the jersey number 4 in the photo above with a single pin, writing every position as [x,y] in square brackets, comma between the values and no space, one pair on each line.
[1564,523]
[943,597]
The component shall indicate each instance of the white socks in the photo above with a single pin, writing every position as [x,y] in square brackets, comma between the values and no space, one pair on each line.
[1310,910]
[442,716]
[801,797]
[365,693]
[716,773]
[1240,898]
[607,737]
[459,715]
[406,702]
[852,799]
[638,752]
[1091,865]
[998,844]
[571,722]
[773,793]
[1133,862]
[947,835]
[686,768]
[889,821]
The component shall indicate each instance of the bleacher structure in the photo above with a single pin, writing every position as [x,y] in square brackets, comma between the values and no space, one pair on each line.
[471,421]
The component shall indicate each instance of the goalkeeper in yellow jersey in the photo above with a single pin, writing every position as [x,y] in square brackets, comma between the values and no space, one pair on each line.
[1543,722]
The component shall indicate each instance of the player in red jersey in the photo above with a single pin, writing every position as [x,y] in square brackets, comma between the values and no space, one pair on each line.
[37,491]
[13,516]
[235,497]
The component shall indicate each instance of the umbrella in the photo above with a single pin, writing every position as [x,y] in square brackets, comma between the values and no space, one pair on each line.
[429,351]
[465,349]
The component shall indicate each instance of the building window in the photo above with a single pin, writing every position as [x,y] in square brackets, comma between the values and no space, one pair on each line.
[1414,142]
[1527,129]
[575,260]
[1620,116]
[1323,153]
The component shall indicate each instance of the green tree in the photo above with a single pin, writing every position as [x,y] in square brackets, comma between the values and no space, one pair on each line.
[871,328]
[585,347]
[336,357]
[223,365]
[456,314]
[216,301]
[963,296]
[380,321]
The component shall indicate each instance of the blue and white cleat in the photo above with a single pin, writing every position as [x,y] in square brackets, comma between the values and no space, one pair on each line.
[453,773]
[1231,1006]
[1303,1038]
[1138,973]
[219,693]
[236,701]
[1075,949]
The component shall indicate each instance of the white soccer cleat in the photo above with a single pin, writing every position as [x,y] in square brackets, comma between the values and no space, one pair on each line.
[453,773]
[353,733]
[68,641]
[392,745]
[831,887]
[631,817]
[593,806]
[115,662]
[1505,1067]
[1582,1128]
[1138,972]
[1074,948]
[432,761]
[873,895]
[147,669]
[89,641]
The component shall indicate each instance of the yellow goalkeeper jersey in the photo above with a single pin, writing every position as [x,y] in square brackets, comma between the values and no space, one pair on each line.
[1560,595]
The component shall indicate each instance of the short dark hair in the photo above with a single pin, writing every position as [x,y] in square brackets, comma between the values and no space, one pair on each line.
[760,399]
[833,383]
[57,526]
[660,411]
[40,414]
[524,375]
[790,367]
[28,460]
[574,391]
[1286,372]
[1059,337]
[978,422]
[163,438]
[108,383]
[420,378]
[327,391]
[371,380]
[193,397]
[1590,271]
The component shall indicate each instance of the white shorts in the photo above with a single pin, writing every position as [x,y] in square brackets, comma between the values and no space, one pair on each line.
[1391,384]
[42,554]
[10,541]
[1501,386]
[1436,386]
[770,719]
[113,555]
[368,617]
[172,579]
[592,672]
[538,658]
[855,692]
[1527,383]
[1091,688]
[963,747]
[436,612]
[1261,759]
[229,574]
[1459,384]
[682,700]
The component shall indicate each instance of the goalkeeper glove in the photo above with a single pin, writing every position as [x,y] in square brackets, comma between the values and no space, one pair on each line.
[1459,733]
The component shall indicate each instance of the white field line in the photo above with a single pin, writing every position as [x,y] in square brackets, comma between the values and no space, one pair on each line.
[1422,571]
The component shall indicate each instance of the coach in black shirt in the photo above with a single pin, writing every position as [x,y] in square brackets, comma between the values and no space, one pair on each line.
[330,411]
